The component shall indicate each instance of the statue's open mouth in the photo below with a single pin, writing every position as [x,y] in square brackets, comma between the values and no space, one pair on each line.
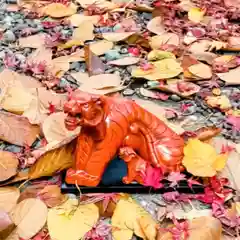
[72,122]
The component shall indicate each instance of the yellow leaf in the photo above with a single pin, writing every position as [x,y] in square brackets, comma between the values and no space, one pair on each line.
[221,102]
[166,68]
[196,15]
[217,45]
[58,10]
[70,43]
[159,55]
[70,221]
[84,32]
[201,159]
[165,38]
[124,225]
[116,36]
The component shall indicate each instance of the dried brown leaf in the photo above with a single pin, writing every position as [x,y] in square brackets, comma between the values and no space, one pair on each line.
[156,26]
[139,40]
[54,128]
[77,19]
[34,41]
[29,216]
[53,161]
[8,165]
[94,64]
[51,195]
[166,38]
[58,10]
[17,129]
[8,198]
[231,77]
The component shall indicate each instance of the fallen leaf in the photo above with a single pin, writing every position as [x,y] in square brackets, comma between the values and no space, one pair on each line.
[29,216]
[101,47]
[143,92]
[196,15]
[34,41]
[84,32]
[217,45]
[77,19]
[221,102]
[102,4]
[126,61]
[52,162]
[8,198]
[81,77]
[231,170]
[51,195]
[175,178]
[77,56]
[8,165]
[201,159]
[94,64]
[17,129]
[152,177]
[62,225]
[36,112]
[234,42]
[201,71]
[124,225]
[70,43]
[163,69]
[207,57]
[200,46]
[58,10]
[54,128]
[156,26]
[103,91]
[231,77]
[116,36]
[166,38]
[155,55]
[139,40]
[5,221]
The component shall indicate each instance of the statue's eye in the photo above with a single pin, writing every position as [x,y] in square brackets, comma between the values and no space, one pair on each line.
[86,105]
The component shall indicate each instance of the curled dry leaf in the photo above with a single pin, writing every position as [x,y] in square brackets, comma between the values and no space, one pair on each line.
[52,162]
[116,36]
[231,77]
[8,165]
[51,195]
[84,31]
[8,198]
[206,133]
[94,64]
[29,216]
[17,129]
[201,71]
[202,160]
[126,61]
[77,19]
[166,38]
[34,41]
[163,69]
[103,81]
[54,128]
[125,225]
[58,10]
[62,225]
[156,26]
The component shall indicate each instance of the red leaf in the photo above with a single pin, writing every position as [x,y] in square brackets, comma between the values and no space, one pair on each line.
[234,121]
[191,182]
[152,177]
[175,177]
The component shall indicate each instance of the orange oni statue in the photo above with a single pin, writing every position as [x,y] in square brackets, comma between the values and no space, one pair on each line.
[111,126]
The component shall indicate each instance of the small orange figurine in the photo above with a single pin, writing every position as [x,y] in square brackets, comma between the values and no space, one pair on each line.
[112,126]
